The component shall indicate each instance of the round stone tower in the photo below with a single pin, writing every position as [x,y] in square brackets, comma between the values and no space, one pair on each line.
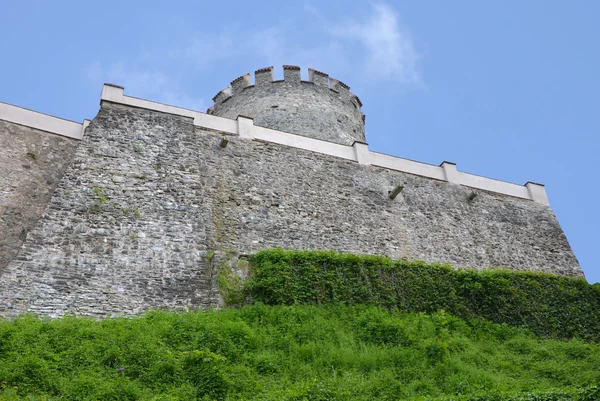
[321,108]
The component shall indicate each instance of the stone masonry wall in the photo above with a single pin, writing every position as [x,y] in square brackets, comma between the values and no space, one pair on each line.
[32,163]
[149,198]
[306,108]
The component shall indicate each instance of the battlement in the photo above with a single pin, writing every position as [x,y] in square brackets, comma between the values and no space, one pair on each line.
[321,108]
[292,75]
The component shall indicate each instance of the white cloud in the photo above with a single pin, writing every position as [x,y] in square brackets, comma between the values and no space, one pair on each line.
[389,52]
[271,43]
[149,83]
[376,47]
[136,79]
[204,51]
[378,42]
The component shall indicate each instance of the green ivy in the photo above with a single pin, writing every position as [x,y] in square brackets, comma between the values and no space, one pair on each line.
[549,305]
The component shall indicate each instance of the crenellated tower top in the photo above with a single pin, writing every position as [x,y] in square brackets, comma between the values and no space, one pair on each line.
[321,108]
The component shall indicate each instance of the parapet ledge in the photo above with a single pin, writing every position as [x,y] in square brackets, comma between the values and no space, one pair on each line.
[357,152]
[112,93]
[450,172]
[537,192]
[292,76]
[43,122]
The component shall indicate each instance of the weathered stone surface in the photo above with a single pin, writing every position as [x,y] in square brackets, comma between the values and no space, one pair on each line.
[31,165]
[107,246]
[298,107]
[149,197]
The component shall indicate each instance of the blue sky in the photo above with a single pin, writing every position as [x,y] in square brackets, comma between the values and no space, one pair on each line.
[506,89]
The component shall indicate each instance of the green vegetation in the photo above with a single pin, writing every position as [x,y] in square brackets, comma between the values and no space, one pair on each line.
[231,284]
[549,305]
[101,197]
[323,326]
[289,353]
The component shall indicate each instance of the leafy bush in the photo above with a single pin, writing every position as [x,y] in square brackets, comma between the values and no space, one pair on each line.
[204,370]
[549,305]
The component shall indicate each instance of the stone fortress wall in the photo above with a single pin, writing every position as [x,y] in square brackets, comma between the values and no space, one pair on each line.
[157,197]
[35,149]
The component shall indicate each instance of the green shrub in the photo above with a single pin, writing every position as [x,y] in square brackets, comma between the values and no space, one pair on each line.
[204,369]
[547,304]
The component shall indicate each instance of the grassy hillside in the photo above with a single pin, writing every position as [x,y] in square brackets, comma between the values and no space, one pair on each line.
[289,353]
[325,326]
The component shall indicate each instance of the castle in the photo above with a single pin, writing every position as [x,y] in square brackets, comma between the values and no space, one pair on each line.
[138,207]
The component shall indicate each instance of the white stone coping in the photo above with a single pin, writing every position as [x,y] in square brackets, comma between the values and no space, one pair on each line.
[43,122]
[358,152]
[113,93]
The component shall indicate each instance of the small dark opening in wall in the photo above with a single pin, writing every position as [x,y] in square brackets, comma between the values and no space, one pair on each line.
[274,106]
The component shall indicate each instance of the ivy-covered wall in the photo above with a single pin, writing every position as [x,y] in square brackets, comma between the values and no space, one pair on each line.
[549,305]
